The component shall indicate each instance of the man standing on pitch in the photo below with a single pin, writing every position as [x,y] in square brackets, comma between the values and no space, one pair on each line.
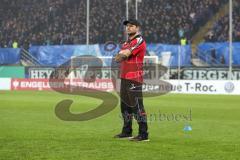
[131,58]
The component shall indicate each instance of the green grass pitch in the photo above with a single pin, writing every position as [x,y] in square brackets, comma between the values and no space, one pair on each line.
[29,129]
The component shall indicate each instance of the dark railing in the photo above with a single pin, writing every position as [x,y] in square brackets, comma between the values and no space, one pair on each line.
[28,59]
[211,59]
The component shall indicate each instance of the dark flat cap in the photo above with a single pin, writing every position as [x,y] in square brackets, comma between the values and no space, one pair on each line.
[132,21]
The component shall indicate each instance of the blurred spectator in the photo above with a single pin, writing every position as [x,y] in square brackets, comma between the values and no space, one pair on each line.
[15,44]
[220,30]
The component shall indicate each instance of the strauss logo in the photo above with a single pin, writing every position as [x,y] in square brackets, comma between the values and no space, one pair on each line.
[15,84]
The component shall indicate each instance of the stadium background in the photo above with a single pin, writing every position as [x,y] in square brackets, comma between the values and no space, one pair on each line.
[198,41]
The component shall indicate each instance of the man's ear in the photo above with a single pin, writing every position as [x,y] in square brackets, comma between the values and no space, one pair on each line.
[138,29]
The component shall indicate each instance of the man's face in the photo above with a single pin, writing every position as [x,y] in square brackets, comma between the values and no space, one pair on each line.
[131,29]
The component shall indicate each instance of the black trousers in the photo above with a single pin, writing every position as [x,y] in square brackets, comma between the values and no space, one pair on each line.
[132,106]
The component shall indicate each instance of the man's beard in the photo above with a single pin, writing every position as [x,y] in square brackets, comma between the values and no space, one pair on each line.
[131,34]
